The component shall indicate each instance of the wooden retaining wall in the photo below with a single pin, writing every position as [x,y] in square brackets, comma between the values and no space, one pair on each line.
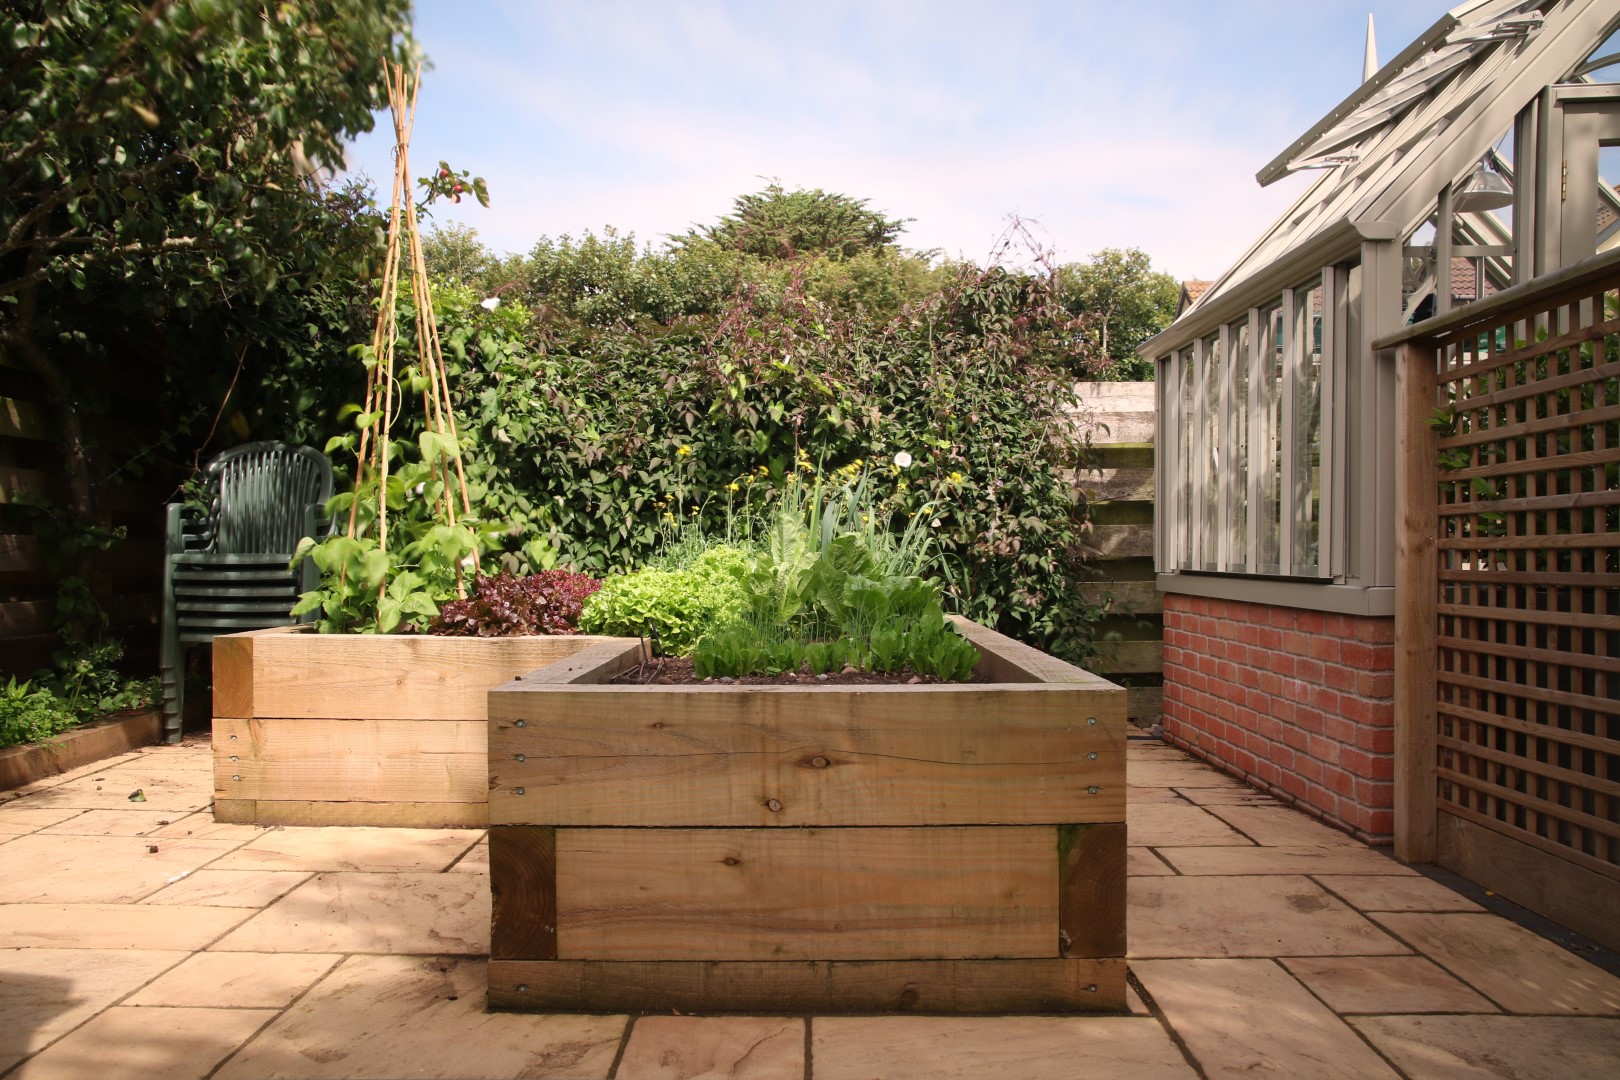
[1121,418]
[125,580]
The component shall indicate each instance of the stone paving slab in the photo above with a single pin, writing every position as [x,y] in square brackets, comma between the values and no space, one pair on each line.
[733,1047]
[230,888]
[1290,860]
[1025,1047]
[1246,916]
[358,848]
[1497,1047]
[19,820]
[1385,984]
[1268,943]
[46,993]
[40,868]
[1250,1017]
[1158,825]
[114,926]
[175,1044]
[373,913]
[397,1016]
[1518,970]
[237,980]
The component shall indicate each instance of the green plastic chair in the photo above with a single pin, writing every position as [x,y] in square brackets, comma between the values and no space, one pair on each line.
[225,567]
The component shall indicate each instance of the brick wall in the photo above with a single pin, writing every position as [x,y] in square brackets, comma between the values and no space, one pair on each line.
[1298,703]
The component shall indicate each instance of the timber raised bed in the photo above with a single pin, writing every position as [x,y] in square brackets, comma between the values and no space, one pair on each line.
[953,848]
[362,729]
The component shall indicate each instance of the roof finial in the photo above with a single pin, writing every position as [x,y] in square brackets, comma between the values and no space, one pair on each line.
[1369,64]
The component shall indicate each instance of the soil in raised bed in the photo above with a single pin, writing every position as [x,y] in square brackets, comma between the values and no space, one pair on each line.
[678,671]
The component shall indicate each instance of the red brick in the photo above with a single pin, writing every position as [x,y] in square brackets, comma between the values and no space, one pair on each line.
[1339,782]
[1380,822]
[1367,766]
[1308,719]
[1310,622]
[1375,631]
[1309,767]
[1309,670]
[1375,684]
[1270,638]
[1366,657]
[1377,740]
[1296,643]
[1337,677]
[1323,750]
[1375,793]
[1361,711]
[1325,648]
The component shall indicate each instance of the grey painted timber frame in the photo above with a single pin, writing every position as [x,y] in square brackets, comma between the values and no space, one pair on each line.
[1391,156]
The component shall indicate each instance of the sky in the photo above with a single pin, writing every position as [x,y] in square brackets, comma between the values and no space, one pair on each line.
[1139,123]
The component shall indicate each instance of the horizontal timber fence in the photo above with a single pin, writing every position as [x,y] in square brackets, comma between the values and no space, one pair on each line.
[123,580]
[1121,419]
[1507,644]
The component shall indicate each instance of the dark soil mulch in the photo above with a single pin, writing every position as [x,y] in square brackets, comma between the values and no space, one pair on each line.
[678,671]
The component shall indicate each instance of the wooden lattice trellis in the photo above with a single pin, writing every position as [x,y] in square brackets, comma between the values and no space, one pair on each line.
[1523,505]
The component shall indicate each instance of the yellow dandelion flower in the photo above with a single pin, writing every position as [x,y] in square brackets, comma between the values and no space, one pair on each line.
[731,486]
[956,478]
[683,451]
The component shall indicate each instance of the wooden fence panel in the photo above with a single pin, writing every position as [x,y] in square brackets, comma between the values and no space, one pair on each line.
[1121,417]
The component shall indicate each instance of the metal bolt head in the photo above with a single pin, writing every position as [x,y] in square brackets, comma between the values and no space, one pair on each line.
[523,988]
[1089,757]
[1092,720]
[517,791]
[522,757]
[1092,989]
[233,738]
[1089,791]
[235,758]
[237,778]
[522,723]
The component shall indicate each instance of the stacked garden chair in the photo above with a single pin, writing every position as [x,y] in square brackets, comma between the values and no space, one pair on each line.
[225,568]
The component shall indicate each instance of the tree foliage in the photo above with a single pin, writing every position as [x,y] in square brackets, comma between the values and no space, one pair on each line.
[1124,302]
[155,173]
[780,224]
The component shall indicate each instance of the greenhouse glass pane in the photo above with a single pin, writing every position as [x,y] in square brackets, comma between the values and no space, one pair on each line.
[1236,486]
[1305,502]
[1210,455]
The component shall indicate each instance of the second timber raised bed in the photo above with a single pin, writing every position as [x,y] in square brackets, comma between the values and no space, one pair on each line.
[362,729]
[954,848]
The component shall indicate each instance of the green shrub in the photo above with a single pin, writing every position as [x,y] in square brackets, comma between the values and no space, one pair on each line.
[671,608]
[28,713]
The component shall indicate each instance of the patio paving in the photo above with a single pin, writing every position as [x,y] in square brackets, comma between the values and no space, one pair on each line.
[1261,942]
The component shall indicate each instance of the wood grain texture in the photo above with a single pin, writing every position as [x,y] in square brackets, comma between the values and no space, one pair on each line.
[791,756]
[392,677]
[376,761]
[1091,889]
[1416,563]
[1584,901]
[236,811]
[21,765]
[387,815]
[805,894]
[941,987]
[523,890]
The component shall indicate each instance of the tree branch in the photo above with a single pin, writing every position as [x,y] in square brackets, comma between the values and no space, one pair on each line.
[38,274]
[93,91]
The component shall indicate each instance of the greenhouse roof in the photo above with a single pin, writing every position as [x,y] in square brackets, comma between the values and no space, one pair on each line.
[1419,123]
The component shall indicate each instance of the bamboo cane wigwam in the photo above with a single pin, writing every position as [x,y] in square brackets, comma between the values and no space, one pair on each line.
[429,372]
